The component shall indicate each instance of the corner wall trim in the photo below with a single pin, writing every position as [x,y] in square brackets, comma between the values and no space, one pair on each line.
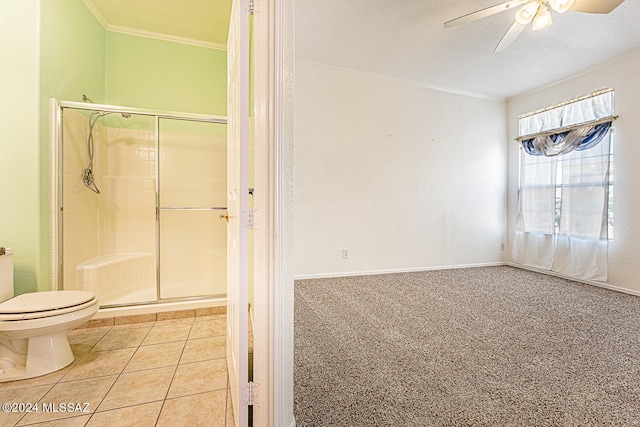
[585,281]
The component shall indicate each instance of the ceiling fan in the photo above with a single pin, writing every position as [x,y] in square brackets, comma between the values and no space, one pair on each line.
[536,12]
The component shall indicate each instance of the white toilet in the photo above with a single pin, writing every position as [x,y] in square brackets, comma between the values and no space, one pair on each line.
[33,326]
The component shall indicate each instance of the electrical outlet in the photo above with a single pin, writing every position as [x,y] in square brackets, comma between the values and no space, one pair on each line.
[501,247]
[345,253]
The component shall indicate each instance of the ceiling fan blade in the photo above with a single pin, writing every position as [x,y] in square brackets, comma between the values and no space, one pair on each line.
[483,13]
[595,6]
[510,36]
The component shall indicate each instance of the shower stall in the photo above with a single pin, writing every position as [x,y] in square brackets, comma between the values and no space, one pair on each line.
[140,204]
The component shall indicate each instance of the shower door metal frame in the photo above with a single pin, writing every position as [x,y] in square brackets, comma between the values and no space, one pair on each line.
[157,114]
[173,208]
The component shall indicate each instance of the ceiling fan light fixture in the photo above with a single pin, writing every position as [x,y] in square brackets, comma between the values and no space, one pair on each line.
[561,6]
[542,19]
[527,12]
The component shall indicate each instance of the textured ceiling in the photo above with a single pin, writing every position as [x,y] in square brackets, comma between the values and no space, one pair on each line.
[203,22]
[405,39]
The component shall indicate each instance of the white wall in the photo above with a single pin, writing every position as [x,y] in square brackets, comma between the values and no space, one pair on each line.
[401,176]
[624,268]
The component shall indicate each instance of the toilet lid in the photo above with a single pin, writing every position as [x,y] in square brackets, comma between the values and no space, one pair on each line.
[34,302]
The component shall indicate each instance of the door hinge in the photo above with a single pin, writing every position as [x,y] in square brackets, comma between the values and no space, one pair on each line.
[250,394]
[252,7]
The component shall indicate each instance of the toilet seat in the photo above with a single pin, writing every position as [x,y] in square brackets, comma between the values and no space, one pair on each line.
[36,305]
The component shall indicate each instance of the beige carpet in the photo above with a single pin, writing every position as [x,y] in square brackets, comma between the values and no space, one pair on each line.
[494,346]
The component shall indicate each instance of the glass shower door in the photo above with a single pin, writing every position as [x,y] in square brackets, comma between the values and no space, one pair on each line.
[107,225]
[192,186]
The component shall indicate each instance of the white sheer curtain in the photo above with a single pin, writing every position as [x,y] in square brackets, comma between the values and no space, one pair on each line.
[564,183]
[582,240]
[535,224]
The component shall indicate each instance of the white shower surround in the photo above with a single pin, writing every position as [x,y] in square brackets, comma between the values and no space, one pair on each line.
[103,276]
[127,184]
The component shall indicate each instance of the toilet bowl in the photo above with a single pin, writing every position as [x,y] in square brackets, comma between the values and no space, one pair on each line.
[33,326]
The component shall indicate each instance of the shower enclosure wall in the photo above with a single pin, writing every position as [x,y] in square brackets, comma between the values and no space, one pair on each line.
[150,227]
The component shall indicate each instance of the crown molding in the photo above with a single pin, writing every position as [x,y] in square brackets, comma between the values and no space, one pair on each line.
[95,12]
[148,34]
[164,37]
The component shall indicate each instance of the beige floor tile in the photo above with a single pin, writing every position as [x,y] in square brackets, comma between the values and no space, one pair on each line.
[29,395]
[179,321]
[181,314]
[146,357]
[50,379]
[231,421]
[199,377]
[65,422]
[204,349]
[135,319]
[83,340]
[134,325]
[198,410]
[208,328]
[210,317]
[100,363]
[132,416]
[81,331]
[122,338]
[211,311]
[98,323]
[162,333]
[138,387]
[156,356]
[88,391]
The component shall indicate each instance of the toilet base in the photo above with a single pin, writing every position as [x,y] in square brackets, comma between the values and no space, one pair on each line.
[45,354]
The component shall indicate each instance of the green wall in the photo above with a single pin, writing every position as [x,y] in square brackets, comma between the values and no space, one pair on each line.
[161,75]
[20,209]
[57,49]
[71,64]
[73,55]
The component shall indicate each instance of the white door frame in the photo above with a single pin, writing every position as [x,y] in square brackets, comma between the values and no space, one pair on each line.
[238,210]
[274,219]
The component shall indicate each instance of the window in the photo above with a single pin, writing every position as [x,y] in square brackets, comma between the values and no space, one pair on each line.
[565,215]
[558,194]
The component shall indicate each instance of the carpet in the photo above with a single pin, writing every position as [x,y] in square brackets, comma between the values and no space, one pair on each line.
[489,346]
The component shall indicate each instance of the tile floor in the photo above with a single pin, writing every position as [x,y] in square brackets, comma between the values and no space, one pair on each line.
[159,373]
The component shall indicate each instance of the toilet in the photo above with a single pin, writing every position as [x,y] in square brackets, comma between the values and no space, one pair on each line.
[33,326]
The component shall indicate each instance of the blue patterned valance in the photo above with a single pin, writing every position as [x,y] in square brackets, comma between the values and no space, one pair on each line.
[577,124]
[581,138]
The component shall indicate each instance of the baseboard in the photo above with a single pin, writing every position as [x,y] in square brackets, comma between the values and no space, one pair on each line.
[585,281]
[394,270]
[451,267]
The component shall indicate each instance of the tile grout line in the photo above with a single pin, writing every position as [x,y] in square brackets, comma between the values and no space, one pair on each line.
[227,395]
[111,328]
[191,336]
[114,382]
[60,381]
[123,371]
[39,401]
[173,376]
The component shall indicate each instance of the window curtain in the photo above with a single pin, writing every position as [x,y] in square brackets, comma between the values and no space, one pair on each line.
[563,199]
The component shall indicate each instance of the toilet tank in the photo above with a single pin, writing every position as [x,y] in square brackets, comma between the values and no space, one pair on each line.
[6,273]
